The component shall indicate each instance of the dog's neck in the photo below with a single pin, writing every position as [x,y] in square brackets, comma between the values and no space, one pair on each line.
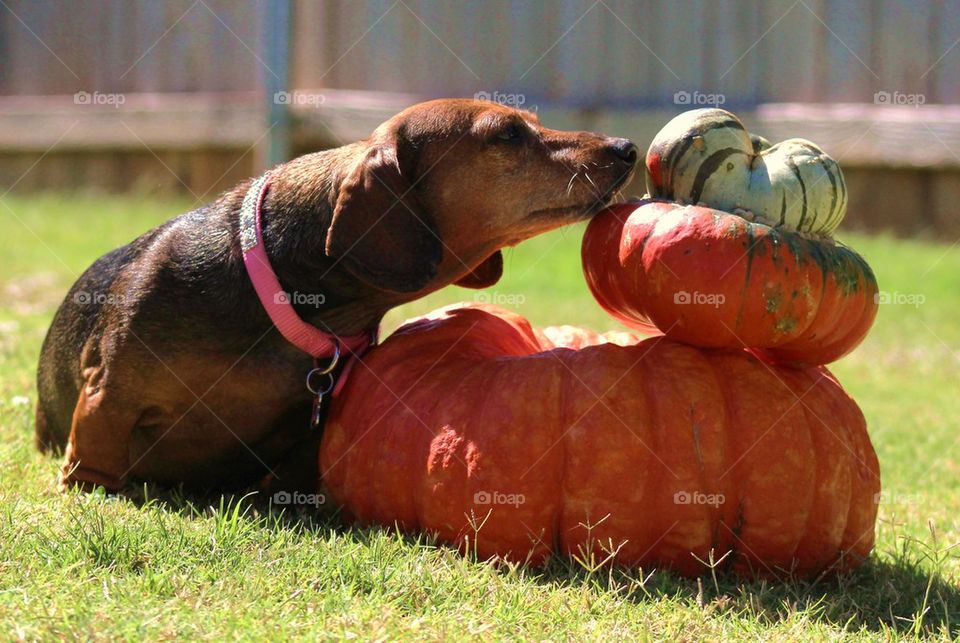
[298,212]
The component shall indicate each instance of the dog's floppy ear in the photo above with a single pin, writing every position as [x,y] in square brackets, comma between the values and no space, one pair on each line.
[379,231]
[486,274]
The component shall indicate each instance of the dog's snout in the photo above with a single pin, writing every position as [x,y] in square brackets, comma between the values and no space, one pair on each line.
[624,149]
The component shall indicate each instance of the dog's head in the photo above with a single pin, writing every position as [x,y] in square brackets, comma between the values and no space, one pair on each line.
[439,189]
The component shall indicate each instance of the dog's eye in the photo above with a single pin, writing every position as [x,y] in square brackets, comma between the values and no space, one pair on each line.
[512,133]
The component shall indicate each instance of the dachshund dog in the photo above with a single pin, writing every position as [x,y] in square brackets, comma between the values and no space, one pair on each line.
[161,363]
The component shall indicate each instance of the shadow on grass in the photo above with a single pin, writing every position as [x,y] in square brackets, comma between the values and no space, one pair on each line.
[896,596]
[898,592]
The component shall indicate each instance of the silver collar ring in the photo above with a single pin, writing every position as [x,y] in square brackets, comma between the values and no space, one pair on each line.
[327,370]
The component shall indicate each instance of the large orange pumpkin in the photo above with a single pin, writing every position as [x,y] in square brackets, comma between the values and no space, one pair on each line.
[469,424]
[714,279]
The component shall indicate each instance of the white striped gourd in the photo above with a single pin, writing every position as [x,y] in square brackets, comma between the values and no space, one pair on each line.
[706,156]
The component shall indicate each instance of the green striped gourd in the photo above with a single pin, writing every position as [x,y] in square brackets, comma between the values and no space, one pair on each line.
[707,157]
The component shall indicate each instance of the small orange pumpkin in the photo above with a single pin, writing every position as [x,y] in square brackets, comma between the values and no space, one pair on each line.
[714,279]
[468,424]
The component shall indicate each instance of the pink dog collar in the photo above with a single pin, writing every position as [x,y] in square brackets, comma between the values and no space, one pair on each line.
[310,339]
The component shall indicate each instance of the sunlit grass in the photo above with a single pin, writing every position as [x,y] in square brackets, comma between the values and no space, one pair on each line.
[97,566]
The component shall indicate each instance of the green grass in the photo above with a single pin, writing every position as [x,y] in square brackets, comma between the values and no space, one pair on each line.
[159,565]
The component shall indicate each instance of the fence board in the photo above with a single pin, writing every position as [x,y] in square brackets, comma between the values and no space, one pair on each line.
[731,27]
[942,70]
[789,50]
[902,43]
[845,78]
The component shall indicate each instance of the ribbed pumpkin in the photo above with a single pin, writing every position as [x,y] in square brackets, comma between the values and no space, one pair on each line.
[713,279]
[657,451]
[706,156]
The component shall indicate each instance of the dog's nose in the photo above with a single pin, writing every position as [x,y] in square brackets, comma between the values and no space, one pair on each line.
[624,149]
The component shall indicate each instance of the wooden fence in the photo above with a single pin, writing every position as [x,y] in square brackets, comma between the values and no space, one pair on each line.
[875,81]
[587,53]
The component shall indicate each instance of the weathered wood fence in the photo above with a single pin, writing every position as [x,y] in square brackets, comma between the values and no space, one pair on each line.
[170,94]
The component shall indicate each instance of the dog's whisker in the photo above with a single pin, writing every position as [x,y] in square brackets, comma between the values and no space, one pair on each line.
[593,183]
[570,183]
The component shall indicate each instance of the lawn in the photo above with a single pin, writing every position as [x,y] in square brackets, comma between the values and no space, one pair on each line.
[157,564]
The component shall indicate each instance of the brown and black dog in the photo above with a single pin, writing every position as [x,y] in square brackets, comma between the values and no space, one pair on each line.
[162,365]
